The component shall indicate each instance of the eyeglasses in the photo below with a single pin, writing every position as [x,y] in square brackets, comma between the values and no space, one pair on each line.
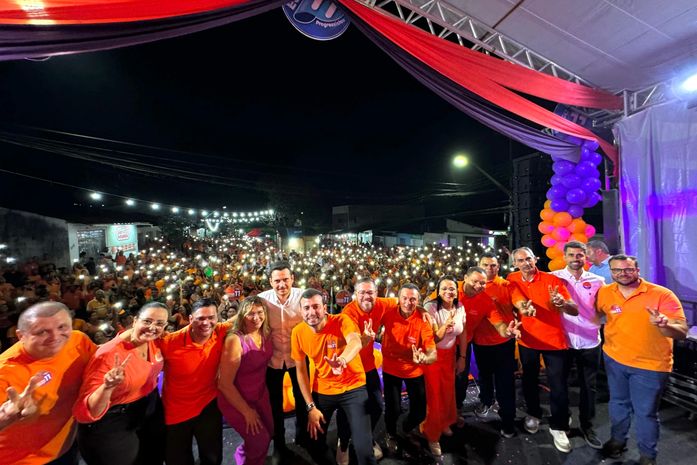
[149,323]
[623,270]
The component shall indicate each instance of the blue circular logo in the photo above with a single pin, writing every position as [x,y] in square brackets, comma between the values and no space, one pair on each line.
[317,19]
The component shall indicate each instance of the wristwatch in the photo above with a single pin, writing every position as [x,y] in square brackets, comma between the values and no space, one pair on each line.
[310,406]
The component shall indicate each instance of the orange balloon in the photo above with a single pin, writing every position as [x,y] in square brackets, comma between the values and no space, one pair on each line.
[545,227]
[548,204]
[553,253]
[562,219]
[547,214]
[580,237]
[557,264]
[577,226]
[560,246]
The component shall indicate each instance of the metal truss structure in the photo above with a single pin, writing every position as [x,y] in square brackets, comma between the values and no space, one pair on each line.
[442,19]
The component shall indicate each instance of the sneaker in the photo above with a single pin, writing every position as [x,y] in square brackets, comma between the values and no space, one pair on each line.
[644,460]
[377,451]
[561,441]
[531,424]
[483,411]
[591,438]
[342,456]
[613,448]
[391,444]
[507,433]
[435,448]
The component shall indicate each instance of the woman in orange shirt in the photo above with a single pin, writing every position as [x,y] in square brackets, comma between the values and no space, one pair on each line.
[119,408]
[448,319]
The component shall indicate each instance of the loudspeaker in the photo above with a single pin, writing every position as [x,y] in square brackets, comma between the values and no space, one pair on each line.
[529,185]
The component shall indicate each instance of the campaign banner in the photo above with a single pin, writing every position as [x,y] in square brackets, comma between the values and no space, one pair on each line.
[122,237]
[317,19]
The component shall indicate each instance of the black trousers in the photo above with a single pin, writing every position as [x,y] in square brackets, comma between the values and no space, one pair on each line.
[556,368]
[462,379]
[207,428]
[355,405]
[374,406]
[274,382]
[497,366]
[587,365]
[128,434]
[416,389]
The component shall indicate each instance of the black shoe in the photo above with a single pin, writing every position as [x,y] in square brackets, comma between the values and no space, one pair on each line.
[614,449]
[644,460]
[591,438]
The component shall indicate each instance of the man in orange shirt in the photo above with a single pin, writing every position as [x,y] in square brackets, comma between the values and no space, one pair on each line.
[366,310]
[495,352]
[189,391]
[642,321]
[332,343]
[540,299]
[407,344]
[46,366]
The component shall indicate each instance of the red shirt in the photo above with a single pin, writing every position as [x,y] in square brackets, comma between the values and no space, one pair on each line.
[498,290]
[544,331]
[477,309]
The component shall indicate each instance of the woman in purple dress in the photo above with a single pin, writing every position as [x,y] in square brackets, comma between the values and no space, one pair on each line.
[242,395]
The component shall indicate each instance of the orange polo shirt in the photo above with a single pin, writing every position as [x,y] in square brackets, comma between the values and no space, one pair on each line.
[498,289]
[190,372]
[50,433]
[140,376]
[400,334]
[360,318]
[544,331]
[630,339]
[330,341]
[479,308]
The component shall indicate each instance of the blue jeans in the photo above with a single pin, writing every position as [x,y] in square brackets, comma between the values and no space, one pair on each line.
[638,392]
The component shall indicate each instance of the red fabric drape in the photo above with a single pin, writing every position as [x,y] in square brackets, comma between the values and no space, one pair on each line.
[446,58]
[59,12]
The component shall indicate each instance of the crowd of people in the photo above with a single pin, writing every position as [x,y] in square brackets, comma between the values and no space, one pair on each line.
[224,320]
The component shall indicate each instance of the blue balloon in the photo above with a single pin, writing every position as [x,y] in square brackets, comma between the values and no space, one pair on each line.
[590,185]
[559,205]
[592,145]
[572,181]
[576,211]
[585,169]
[576,196]
[595,158]
[556,192]
[563,167]
[557,180]
[592,200]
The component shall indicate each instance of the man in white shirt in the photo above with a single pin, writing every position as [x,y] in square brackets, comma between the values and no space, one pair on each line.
[582,333]
[599,255]
[283,302]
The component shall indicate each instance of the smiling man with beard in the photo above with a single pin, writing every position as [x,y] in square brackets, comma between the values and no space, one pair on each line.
[583,333]
[189,391]
[332,343]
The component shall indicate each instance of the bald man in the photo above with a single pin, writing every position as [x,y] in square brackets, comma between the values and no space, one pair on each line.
[40,377]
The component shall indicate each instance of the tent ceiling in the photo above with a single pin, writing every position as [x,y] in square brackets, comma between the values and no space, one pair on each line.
[613,44]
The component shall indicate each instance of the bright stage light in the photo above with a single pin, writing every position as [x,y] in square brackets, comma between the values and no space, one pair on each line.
[204,212]
[460,161]
[175,209]
[192,211]
[95,196]
[690,84]
[155,206]
[130,202]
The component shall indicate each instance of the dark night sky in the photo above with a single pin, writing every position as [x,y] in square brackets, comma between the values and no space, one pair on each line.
[258,107]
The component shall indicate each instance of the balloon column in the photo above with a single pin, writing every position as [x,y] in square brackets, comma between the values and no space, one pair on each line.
[574,188]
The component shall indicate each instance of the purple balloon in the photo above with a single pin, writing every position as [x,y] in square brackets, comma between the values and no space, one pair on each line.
[572,181]
[576,196]
[563,167]
[556,192]
[595,158]
[559,205]
[585,169]
[576,211]
[592,200]
[592,145]
[590,185]
[557,180]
